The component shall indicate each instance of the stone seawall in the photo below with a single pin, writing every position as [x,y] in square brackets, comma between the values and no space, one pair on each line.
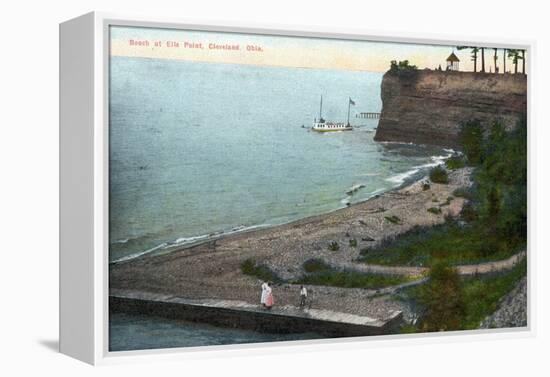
[245,316]
[428,107]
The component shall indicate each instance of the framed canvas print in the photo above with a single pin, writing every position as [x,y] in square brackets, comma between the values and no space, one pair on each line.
[226,187]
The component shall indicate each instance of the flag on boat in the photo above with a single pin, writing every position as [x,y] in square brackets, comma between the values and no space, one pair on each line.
[351,102]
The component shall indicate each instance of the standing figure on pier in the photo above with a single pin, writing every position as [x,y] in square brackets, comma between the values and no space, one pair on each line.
[264,293]
[269,297]
[303,296]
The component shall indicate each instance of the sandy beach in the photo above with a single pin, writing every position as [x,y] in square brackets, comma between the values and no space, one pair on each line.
[212,270]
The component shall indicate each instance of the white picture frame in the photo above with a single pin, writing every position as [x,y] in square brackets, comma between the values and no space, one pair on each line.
[84,83]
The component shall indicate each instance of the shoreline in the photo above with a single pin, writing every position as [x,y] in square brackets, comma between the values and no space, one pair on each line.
[212,270]
[171,247]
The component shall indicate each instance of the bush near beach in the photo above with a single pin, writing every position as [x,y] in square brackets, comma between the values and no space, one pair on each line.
[262,272]
[466,193]
[393,219]
[439,175]
[442,299]
[333,246]
[315,265]
[455,162]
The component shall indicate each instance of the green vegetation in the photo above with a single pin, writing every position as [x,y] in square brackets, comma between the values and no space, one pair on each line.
[442,299]
[447,201]
[455,162]
[517,55]
[514,54]
[353,242]
[315,265]
[501,179]
[448,302]
[249,267]
[475,51]
[493,223]
[469,213]
[471,139]
[403,69]
[451,241]
[352,279]
[482,295]
[466,193]
[393,219]
[438,174]
[434,210]
[333,246]
[500,192]
[319,273]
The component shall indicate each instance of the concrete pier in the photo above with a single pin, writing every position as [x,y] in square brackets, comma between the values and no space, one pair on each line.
[240,314]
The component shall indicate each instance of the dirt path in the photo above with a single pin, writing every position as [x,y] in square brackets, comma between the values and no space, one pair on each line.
[489,267]
[470,269]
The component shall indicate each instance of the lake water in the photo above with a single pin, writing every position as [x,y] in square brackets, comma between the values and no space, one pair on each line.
[200,149]
[140,332]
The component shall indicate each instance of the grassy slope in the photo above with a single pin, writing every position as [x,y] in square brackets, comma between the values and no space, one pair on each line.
[481,296]
[493,223]
[454,243]
[319,273]
[351,279]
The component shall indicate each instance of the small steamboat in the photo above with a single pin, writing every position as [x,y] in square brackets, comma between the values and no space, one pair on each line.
[322,125]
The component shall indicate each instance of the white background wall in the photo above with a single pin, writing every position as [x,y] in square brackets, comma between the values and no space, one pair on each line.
[29,188]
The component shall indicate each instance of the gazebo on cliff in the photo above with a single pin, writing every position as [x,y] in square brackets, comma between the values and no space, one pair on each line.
[452,62]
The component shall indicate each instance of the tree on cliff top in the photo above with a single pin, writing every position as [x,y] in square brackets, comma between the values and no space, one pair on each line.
[403,65]
[403,68]
[516,57]
[475,50]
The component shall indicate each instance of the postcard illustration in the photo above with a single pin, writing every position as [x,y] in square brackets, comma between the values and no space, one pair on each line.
[271,188]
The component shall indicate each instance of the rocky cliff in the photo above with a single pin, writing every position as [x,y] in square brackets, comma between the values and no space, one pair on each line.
[512,309]
[428,107]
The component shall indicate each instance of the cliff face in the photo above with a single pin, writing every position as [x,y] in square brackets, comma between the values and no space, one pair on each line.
[428,107]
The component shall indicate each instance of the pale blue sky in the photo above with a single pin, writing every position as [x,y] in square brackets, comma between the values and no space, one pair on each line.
[290,51]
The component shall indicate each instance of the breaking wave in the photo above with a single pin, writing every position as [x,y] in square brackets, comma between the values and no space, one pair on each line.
[435,161]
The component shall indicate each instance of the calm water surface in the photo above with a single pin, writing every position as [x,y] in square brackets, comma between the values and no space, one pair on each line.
[139,332]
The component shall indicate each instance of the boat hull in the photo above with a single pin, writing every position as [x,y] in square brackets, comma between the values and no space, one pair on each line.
[331,129]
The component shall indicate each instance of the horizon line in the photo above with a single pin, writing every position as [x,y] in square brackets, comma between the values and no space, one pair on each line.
[246,64]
